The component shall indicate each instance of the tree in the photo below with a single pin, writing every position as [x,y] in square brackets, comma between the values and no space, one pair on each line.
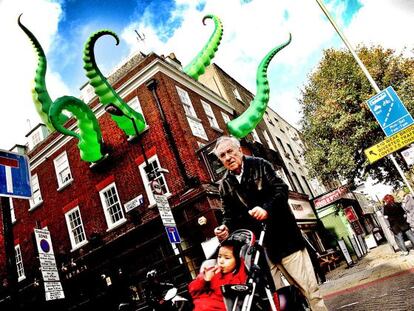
[337,123]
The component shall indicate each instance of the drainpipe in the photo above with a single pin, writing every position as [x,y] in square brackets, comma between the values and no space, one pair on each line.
[152,86]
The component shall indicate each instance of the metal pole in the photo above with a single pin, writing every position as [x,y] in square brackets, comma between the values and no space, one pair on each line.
[140,141]
[369,77]
[9,248]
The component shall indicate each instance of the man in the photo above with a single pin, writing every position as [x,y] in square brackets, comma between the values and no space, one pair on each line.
[252,193]
[399,226]
[408,206]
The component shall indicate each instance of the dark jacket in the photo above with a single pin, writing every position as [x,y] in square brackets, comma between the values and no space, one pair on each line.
[396,218]
[260,186]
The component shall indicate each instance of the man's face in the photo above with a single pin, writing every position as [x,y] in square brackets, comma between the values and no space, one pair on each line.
[230,156]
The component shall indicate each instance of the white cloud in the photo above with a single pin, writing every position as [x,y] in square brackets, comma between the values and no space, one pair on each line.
[386,23]
[18,63]
[250,31]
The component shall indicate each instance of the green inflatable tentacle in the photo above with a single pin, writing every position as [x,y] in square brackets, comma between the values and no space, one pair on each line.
[104,90]
[40,94]
[90,137]
[198,65]
[247,121]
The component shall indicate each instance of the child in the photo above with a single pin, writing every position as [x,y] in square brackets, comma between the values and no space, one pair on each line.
[229,269]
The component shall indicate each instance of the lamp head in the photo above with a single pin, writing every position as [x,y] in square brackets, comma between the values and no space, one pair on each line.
[114,110]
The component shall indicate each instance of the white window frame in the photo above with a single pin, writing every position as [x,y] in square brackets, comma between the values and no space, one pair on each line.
[36,198]
[36,138]
[159,176]
[186,102]
[109,221]
[210,114]
[19,263]
[226,117]
[237,94]
[62,170]
[135,104]
[255,136]
[75,227]
[197,128]
[269,142]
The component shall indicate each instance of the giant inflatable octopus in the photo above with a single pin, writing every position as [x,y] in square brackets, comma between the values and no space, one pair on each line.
[90,142]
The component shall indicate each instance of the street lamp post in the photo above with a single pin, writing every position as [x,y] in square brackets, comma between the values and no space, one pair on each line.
[114,110]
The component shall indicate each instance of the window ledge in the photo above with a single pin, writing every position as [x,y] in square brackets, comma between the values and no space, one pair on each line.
[217,129]
[193,118]
[21,278]
[98,163]
[66,184]
[133,138]
[35,206]
[119,223]
[83,243]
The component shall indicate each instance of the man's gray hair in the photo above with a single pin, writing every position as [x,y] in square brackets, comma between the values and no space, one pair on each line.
[234,141]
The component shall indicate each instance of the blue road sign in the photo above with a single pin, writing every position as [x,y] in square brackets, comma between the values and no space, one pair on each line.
[173,235]
[389,111]
[14,175]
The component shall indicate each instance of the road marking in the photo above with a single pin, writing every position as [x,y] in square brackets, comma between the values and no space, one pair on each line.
[348,305]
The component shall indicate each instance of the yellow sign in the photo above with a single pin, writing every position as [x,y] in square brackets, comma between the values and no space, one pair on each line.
[390,144]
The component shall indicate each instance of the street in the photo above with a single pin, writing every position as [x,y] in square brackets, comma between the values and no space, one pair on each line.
[390,293]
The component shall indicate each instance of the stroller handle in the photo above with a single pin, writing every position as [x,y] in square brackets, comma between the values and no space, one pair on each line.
[260,242]
[262,233]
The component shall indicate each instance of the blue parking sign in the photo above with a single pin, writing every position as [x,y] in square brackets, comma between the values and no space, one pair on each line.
[389,111]
[14,175]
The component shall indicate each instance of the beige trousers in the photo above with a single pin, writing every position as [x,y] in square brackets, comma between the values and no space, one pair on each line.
[298,270]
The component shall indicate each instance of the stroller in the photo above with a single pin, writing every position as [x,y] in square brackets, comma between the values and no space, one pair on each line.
[259,293]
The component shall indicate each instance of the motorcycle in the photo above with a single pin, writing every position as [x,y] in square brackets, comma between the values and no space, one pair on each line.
[163,296]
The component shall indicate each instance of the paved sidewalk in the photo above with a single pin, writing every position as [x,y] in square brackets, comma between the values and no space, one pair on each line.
[379,263]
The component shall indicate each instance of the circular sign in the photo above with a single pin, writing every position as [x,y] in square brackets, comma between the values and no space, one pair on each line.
[44,245]
[156,187]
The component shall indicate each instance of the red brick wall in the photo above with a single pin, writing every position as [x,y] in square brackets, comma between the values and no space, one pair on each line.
[121,164]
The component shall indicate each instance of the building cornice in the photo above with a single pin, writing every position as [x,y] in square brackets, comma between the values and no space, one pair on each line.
[143,75]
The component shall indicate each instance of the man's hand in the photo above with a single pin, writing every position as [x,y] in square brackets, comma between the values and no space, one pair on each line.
[258,213]
[221,232]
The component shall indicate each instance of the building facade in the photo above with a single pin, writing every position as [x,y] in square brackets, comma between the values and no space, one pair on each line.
[273,131]
[103,218]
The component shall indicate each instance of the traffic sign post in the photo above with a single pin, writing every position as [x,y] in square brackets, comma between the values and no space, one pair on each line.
[369,77]
[53,287]
[165,212]
[389,111]
[14,182]
[14,175]
[9,249]
[173,235]
[390,144]
[393,117]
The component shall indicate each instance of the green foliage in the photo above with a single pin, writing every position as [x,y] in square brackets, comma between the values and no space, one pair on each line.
[337,123]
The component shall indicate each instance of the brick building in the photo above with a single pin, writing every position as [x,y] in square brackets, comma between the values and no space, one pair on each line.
[102,217]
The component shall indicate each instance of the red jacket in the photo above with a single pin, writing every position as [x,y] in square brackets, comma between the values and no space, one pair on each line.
[207,296]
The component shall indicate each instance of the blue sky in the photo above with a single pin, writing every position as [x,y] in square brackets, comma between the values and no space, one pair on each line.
[251,29]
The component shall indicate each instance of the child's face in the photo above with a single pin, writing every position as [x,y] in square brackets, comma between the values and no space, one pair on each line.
[226,260]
